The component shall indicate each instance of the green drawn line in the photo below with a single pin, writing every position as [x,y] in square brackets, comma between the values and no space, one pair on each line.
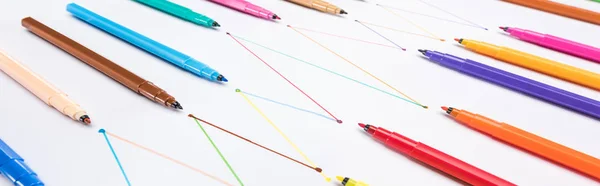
[220,154]
[330,71]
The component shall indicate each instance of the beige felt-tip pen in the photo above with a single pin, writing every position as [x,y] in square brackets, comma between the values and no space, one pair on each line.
[42,89]
[320,5]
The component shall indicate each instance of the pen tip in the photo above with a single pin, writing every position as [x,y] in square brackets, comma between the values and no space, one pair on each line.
[503,28]
[423,51]
[343,12]
[444,108]
[459,40]
[215,24]
[85,119]
[222,78]
[361,125]
[276,17]
[176,105]
[339,178]
[318,169]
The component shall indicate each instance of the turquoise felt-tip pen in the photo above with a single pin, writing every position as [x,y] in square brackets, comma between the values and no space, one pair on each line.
[180,11]
[168,54]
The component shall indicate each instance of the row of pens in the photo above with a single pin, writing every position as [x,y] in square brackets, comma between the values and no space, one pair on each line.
[12,164]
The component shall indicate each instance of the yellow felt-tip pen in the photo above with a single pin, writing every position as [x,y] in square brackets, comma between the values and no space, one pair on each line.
[535,63]
[350,182]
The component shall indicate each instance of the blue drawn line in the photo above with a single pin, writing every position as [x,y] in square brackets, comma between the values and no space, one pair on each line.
[380,35]
[287,105]
[115,155]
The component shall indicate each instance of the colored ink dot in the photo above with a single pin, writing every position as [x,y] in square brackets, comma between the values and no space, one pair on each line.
[237,90]
[339,121]
[102,131]
[319,169]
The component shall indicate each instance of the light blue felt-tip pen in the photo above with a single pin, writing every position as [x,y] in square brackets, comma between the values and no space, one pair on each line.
[168,54]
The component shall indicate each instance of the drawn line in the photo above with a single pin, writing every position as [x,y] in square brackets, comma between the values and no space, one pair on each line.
[452,14]
[330,71]
[281,75]
[414,24]
[287,105]
[115,155]
[254,143]
[282,134]
[401,31]
[380,35]
[220,154]
[368,73]
[441,19]
[168,158]
[349,38]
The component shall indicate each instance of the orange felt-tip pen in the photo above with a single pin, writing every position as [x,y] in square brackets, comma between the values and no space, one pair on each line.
[532,143]
[542,65]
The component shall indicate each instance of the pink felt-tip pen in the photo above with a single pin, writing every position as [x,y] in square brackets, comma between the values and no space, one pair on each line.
[247,7]
[556,43]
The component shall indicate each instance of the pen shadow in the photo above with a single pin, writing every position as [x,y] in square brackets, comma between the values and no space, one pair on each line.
[422,164]
[531,96]
[528,152]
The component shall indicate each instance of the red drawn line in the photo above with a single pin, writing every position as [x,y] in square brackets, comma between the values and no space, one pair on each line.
[338,120]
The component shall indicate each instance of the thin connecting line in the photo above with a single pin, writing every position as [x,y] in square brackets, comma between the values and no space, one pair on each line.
[220,154]
[349,38]
[282,134]
[441,19]
[254,143]
[281,75]
[286,105]
[330,71]
[115,155]
[401,31]
[169,158]
[456,16]
[380,35]
[414,24]
[343,58]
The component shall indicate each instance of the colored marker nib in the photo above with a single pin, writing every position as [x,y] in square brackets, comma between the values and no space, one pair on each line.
[361,125]
[215,24]
[343,12]
[85,119]
[444,108]
[276,17]
[458,40]
[503,28]
[423,51]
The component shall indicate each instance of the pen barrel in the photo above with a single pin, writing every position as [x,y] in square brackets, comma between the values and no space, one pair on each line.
[560,9]
[13,167]
[533,88]
[537,145]
[538,64]
[84,54]
[455,167]
[572,48]
[40,87]
[318,5]
[246,7]
[173,56]
[178,11]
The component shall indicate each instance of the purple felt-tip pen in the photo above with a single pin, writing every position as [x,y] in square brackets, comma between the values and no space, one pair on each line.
[518,83]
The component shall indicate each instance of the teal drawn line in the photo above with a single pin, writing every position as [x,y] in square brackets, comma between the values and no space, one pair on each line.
[330,71]
[220,154]
[287,105]
[115,155]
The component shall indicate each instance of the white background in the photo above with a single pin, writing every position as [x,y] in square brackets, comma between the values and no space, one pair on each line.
[66,153]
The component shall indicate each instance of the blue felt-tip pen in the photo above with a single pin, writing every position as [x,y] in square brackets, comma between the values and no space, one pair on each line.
[168,54]
[13,167]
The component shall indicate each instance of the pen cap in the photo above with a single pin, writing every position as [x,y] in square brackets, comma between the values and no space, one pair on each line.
[13,167]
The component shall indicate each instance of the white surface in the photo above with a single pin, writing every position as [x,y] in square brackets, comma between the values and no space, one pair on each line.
[65,153]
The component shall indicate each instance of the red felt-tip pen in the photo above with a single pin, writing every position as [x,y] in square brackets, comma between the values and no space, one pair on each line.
[434,158]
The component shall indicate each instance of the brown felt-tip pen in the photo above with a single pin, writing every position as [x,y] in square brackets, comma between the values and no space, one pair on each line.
[109,68]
